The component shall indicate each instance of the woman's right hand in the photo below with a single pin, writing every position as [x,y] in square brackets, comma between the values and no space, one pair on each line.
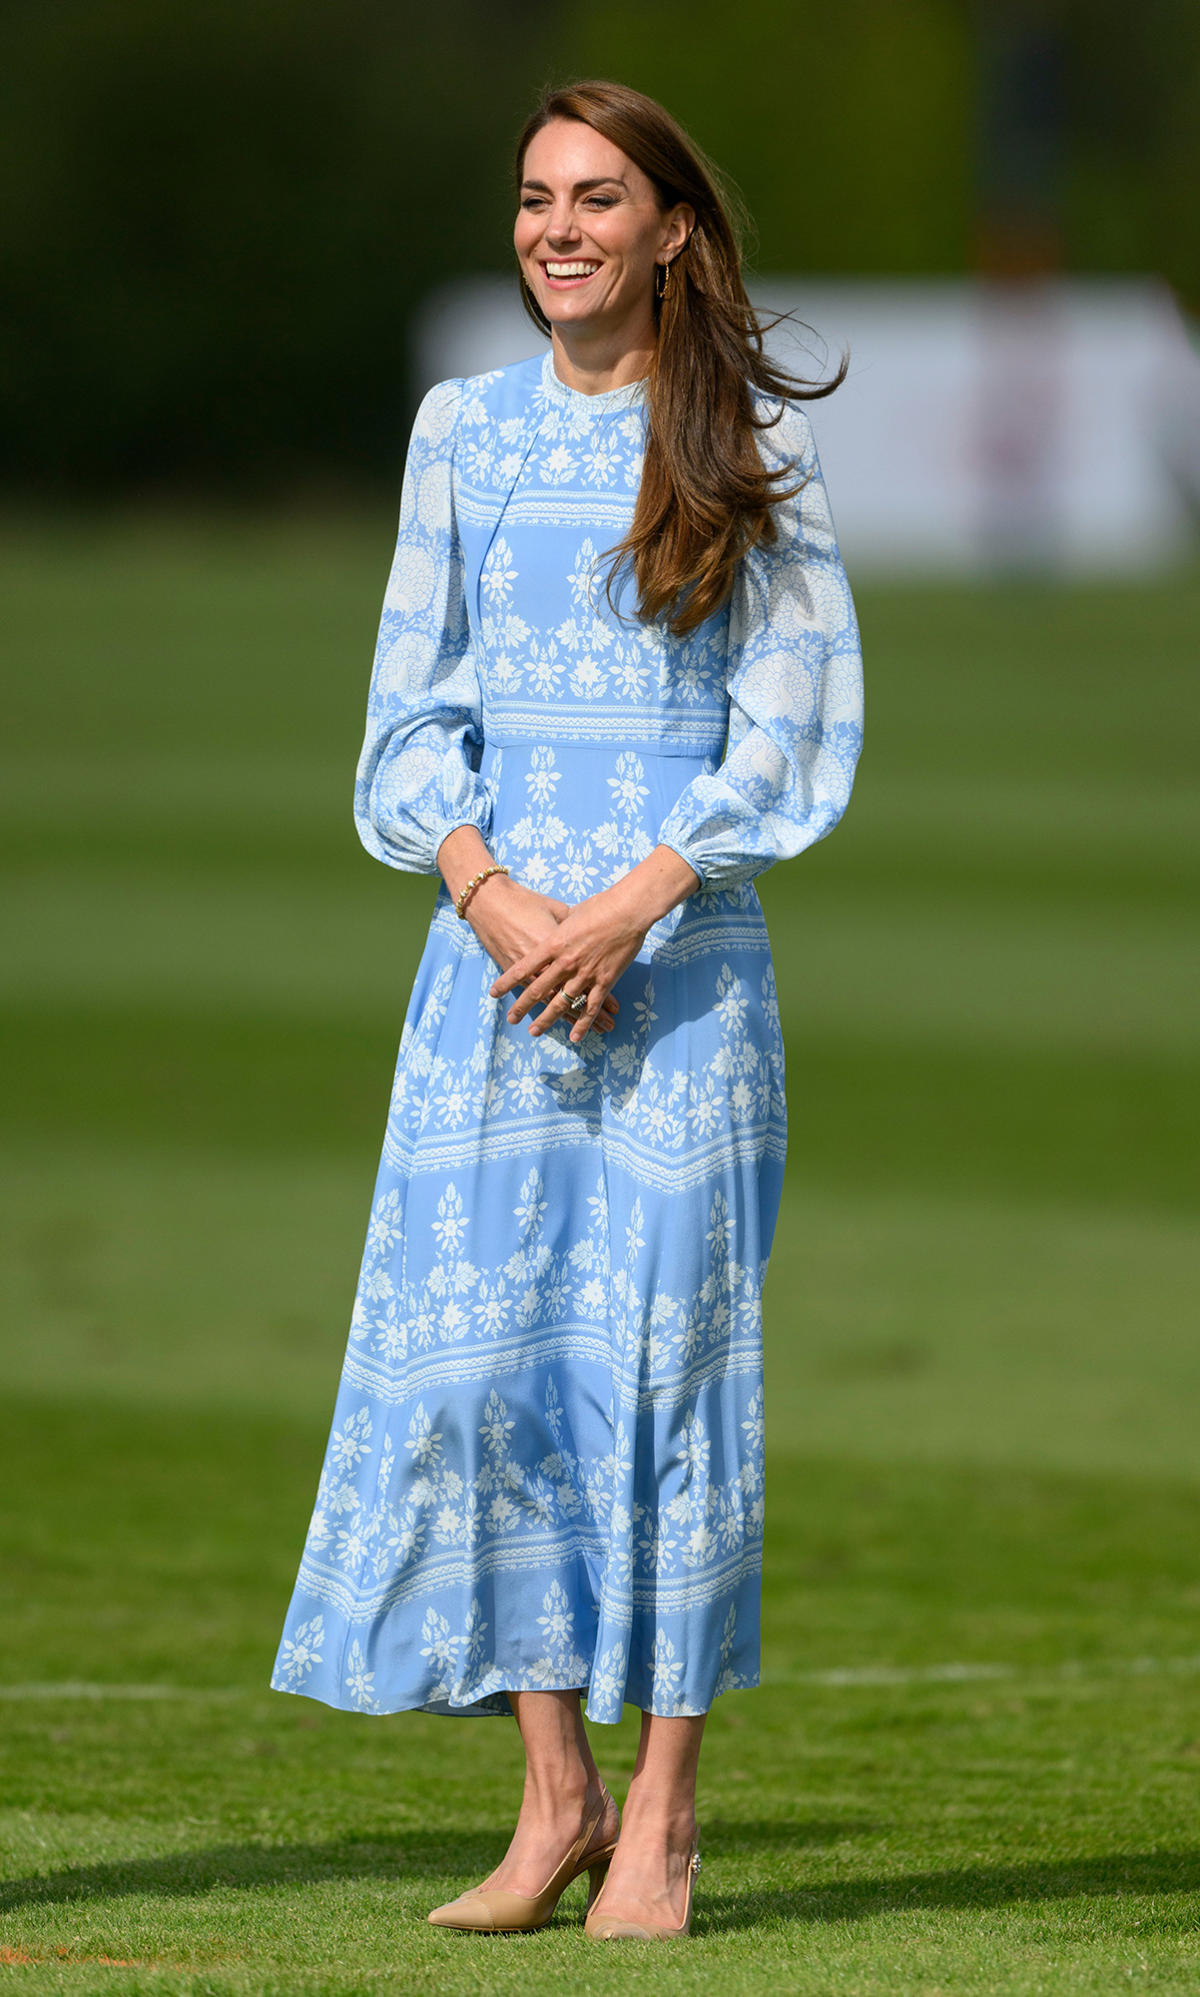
[508,918]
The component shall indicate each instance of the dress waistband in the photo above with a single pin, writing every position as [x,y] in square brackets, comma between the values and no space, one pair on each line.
[696,738]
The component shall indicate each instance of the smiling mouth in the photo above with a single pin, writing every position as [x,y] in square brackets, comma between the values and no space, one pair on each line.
[564,274]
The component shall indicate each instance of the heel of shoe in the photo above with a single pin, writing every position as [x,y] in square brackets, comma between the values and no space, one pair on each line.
[693,1869]
[597,1874]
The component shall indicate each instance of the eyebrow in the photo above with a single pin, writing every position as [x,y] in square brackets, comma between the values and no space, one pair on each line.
[581,186]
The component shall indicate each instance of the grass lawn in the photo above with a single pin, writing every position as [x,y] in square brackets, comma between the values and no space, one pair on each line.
[974,1762]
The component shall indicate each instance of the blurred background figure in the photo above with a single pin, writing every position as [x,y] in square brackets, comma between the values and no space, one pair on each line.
[236,244]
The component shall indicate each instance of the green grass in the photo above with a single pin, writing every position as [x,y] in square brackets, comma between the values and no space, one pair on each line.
[974,1763]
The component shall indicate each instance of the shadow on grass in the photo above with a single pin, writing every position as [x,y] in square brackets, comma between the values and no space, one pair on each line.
[441,1855]
[972,1886]
[450,1855]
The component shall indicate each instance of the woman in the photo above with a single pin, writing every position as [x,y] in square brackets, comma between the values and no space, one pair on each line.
[618,676]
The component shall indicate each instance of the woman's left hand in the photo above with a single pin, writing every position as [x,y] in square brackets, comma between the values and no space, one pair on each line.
[594,942]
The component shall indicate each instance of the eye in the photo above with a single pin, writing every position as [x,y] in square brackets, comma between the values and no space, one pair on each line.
[600,200]
[531,201]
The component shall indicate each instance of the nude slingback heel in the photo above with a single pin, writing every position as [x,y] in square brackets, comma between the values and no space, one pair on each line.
[496,1910]
[602,1929]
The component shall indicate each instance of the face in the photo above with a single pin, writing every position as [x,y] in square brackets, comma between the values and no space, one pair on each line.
[589,231]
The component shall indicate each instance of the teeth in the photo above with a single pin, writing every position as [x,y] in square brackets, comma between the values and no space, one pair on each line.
[571,269]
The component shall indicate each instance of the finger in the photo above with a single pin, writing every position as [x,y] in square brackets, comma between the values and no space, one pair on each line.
[515,975]
[603,1017]
[524,967]
[539,992]
[603,1022]
[588,1019]
[557,1007]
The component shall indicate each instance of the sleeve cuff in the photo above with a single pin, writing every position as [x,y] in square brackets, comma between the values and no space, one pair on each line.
[711,859]
[680,846]
[480,820]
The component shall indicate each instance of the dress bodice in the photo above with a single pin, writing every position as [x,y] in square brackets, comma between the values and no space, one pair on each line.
[542,496]
[497,631]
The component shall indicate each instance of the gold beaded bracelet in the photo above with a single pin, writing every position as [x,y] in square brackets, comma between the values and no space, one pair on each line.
[464,895]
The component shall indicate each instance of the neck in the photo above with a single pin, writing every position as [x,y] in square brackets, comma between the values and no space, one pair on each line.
[594,363]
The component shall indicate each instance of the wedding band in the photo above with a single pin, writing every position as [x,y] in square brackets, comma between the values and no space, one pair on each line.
[577,1004]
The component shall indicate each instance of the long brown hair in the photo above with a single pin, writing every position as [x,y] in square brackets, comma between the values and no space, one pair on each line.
[705,496]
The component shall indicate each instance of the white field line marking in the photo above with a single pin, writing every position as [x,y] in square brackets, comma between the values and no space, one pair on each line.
[893,1674]
[839,1678]
[80,1689]
[1070,1669]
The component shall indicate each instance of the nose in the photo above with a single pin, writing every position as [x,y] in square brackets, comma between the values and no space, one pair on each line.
[561,225]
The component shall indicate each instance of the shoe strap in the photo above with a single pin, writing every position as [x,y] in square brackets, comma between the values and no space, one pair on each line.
[581,1854]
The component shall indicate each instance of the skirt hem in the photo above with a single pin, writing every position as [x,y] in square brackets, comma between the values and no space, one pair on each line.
[491,1705]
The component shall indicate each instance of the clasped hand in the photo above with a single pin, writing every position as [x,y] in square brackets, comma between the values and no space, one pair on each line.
[585,949]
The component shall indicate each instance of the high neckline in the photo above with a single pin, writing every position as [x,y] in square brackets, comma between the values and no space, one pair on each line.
[625,397]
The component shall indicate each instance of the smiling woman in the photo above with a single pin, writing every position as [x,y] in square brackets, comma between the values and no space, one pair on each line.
[545,1471]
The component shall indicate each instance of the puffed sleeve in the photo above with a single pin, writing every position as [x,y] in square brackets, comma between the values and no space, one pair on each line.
[418,773]
[794,679]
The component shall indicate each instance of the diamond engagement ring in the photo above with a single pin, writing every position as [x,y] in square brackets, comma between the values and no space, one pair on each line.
[577,1004]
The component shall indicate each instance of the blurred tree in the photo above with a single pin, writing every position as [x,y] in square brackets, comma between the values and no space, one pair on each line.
[1132,177]
[1019,121]
[846,128]
[216,221]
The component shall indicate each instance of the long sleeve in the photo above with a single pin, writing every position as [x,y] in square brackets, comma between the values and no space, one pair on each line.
[795,691]
[418,773]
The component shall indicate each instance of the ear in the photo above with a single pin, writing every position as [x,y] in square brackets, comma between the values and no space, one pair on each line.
[680,223]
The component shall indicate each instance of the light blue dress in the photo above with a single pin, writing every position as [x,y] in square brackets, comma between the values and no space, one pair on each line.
[546,1461]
